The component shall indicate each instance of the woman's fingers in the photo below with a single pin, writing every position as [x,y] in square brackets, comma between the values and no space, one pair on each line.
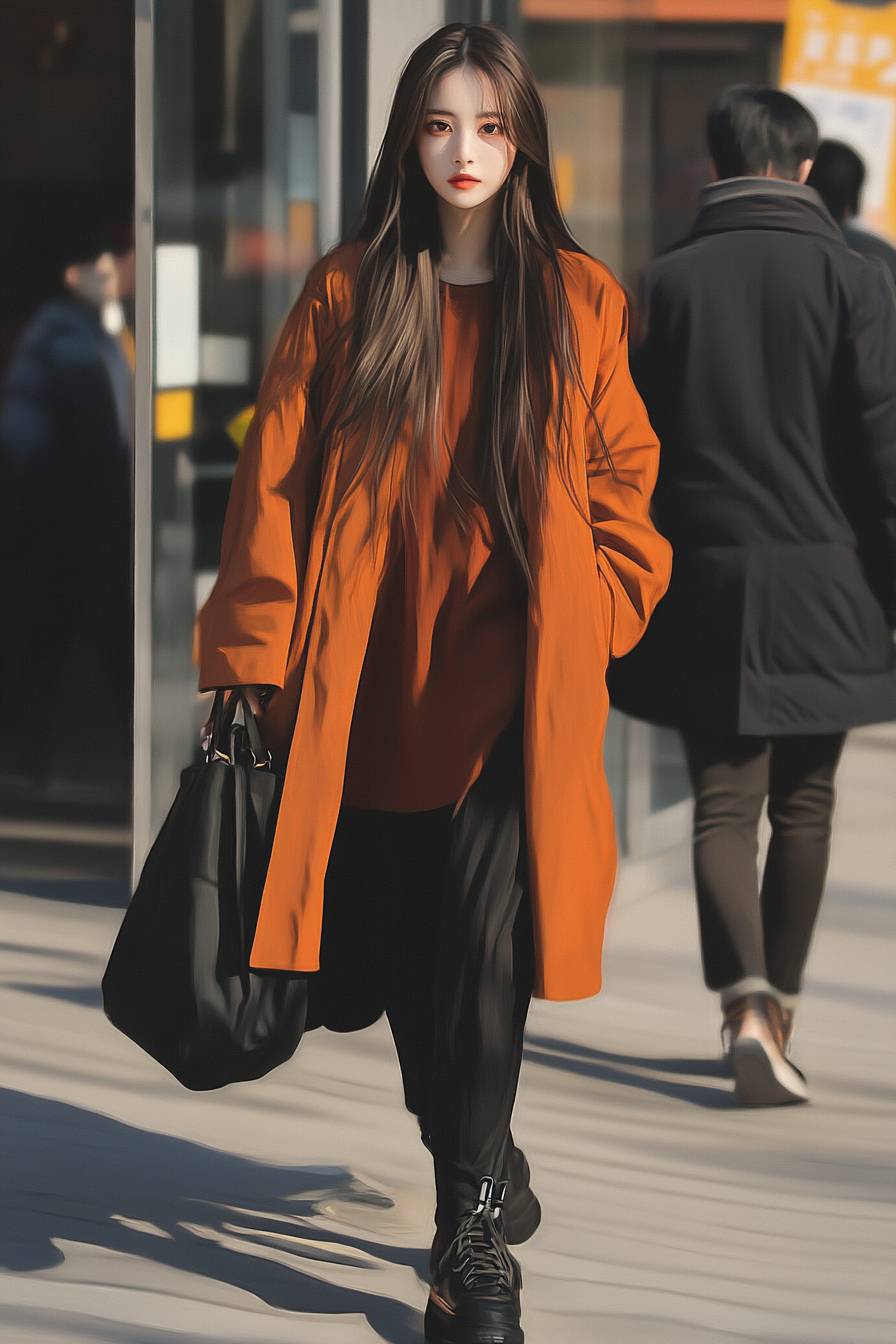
[254,703]
[205,734]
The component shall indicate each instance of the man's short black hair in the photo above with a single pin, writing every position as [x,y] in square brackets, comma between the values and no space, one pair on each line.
[838,175]
[750,128]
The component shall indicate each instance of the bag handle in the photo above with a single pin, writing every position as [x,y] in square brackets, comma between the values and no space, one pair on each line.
[222,717]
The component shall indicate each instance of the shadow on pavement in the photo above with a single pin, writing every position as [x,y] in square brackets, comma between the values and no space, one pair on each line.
[85,996]
[70,1174]
[108,892]
[645,1073]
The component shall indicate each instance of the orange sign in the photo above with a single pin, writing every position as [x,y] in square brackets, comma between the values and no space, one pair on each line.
[659,11]
[840,60]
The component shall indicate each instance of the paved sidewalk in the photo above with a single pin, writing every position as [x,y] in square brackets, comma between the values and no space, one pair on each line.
[297,1209]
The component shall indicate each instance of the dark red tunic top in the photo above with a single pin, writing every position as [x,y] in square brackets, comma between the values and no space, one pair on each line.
[445,663]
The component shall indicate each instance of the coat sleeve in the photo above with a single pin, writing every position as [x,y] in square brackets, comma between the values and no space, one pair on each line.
[245,626]
[633,559]
[872,354]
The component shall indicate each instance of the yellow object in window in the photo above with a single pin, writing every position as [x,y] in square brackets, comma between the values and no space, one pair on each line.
[174,414]
[239,425]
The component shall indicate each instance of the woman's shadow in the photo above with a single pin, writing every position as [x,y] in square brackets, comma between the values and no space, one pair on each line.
[73,1175]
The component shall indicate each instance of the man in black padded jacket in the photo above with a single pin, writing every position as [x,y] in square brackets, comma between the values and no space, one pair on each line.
[768,366]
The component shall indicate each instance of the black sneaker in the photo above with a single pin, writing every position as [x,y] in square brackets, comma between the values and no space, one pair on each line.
[475,1293]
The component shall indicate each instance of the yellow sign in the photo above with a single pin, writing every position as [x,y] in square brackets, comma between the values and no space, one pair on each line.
[840,60]
[174,414]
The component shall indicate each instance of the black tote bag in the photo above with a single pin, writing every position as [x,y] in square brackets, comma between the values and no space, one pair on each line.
[178,981]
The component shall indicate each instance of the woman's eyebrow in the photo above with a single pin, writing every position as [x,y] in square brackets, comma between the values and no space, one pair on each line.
[447,113]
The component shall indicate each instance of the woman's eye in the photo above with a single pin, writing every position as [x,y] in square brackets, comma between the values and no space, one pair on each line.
[493,127]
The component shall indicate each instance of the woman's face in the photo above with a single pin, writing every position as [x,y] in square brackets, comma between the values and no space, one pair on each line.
[461,133]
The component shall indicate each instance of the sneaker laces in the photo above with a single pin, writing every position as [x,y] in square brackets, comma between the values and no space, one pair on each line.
[479,1257]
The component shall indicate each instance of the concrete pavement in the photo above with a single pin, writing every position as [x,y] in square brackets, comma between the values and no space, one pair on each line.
[298,1208]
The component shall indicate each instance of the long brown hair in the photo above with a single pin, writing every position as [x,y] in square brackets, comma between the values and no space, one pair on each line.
[395,358]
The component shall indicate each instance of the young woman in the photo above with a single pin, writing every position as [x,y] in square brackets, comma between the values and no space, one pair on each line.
[437,534]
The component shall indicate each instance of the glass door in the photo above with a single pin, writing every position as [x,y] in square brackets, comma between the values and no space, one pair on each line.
[238,166]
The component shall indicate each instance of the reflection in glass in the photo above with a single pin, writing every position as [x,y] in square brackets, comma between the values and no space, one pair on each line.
[236,229]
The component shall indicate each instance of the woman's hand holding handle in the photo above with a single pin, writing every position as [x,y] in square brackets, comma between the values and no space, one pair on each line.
[252,699]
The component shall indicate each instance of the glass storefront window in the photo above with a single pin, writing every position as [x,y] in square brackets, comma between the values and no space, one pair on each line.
[235,213]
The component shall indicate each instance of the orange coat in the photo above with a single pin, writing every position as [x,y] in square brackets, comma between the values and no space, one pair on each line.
[295,594]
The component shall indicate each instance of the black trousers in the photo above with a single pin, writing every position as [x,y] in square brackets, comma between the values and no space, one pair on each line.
[447,916]
[751,932]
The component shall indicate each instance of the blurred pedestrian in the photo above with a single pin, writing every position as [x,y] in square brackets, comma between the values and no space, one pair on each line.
[430,564]
[838,175]
[65,453]
[769,371]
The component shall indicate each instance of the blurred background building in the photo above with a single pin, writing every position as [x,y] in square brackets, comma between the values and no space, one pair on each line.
[257,123]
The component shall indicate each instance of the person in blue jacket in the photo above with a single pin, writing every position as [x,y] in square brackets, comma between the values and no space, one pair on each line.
[65,471]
